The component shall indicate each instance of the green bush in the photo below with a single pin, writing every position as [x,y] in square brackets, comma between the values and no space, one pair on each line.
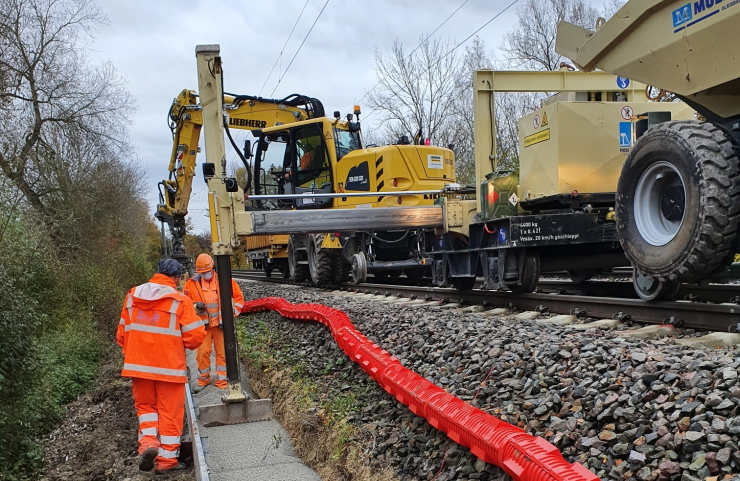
[57,319]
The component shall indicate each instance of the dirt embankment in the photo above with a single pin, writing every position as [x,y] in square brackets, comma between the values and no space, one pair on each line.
[97,439]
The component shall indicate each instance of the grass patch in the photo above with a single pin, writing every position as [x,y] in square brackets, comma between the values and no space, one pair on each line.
[315,416]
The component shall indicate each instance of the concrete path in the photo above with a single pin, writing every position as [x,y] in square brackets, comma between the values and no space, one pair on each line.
[251,451]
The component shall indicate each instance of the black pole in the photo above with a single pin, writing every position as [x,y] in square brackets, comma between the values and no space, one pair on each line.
[223,264]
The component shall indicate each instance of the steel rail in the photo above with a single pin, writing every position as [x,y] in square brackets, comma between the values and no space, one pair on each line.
[695,315]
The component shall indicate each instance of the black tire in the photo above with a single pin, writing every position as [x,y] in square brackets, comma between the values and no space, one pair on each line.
[268,271]
[649,289]
[579,276]
[298,272]
[340,269]
[530,277]
[463,283]
[319,260]
[703,159]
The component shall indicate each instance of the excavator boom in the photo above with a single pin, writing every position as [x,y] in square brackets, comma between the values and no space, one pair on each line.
[186,121]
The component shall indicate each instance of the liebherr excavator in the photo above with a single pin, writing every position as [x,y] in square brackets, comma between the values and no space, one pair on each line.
[186,122]
[306,167]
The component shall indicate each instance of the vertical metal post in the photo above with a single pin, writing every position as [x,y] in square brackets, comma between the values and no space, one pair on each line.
[223,265]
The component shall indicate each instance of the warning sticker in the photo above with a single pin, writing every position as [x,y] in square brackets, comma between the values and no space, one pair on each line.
[537,138]
[513,199]
[435,161]
[544,119]
[627,112]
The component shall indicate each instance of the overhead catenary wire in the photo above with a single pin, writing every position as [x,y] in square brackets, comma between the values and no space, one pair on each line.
[453,48]
[299,48]
[417,48]
[283,49]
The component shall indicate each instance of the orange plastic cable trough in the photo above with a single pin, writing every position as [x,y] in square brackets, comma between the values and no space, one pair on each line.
[521,455]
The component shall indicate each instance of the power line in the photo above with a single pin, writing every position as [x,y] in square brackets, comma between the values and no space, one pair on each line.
[299,48]
[415,49]
[453,48]
[283,49]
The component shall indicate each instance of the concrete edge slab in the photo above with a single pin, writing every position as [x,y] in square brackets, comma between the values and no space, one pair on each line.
[199,458]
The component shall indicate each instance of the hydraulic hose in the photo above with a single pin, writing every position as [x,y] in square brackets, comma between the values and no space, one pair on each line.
[523,456]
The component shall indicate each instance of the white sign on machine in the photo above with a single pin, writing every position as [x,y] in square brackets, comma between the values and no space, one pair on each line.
[435,161]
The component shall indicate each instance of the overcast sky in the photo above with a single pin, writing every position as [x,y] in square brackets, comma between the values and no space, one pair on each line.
[152,44]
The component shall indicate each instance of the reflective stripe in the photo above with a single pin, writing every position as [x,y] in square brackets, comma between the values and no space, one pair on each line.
[213,314]
[164,453]
[154,370]
[204,371]
[147,431]
[191,326]
[169,439]
[153,329]
[130,306]
[175,305]
[220,368]
[146,418]
[221,377]
[211,305]
[122,322]
[238,304]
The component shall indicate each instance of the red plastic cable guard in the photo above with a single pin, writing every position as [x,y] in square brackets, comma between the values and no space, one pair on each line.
[523,456]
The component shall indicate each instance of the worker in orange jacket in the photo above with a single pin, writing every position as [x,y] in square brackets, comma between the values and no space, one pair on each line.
[157,324]
[202,288]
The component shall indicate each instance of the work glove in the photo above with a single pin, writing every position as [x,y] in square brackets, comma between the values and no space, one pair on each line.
[221,324]
[200,308]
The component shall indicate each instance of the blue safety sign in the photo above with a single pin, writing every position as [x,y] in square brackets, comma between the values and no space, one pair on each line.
[625,134]
[623,82]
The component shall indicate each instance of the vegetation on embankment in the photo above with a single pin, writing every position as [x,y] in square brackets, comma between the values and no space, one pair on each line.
[75,230]
[312,399]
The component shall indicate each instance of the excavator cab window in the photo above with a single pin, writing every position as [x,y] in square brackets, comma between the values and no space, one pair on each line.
[310,163]
[346,141]
[271,157]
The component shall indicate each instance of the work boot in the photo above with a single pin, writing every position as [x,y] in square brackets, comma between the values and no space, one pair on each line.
[177,467]
[146,463]
[199,388]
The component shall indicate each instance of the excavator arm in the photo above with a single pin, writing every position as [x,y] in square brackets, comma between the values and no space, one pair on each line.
[185,120]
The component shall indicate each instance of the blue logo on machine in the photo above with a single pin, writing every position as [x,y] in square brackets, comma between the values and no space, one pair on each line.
[623,82]
[502,234]
[625,134]
[682,15]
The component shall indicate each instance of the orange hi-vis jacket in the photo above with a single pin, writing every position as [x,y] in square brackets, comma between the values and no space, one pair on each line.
[157,324]
[201,290]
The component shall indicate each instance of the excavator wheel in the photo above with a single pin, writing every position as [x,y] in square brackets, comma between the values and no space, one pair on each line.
[298,272]
[677,202]
[319,260]
[340,269]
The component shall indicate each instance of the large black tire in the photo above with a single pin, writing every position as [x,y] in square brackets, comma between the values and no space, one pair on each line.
[319,260]
[340,268]
[704,222]
[298,272]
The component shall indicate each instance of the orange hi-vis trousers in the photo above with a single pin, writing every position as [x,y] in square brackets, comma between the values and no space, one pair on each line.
[215,337]
[160,406]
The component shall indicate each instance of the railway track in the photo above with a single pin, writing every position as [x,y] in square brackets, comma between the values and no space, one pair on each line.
[709,307]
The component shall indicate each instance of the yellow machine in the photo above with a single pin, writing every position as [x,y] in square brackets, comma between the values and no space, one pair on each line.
[308,171]
[186,122]
[678,194]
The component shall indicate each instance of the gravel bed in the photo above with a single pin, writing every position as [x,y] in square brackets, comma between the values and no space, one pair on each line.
[625,408]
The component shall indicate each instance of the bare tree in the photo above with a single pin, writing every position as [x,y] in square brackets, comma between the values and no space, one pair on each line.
[416,91]
[530,44]
[61,115]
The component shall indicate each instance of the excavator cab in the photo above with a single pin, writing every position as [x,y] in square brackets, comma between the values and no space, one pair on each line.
[300,159]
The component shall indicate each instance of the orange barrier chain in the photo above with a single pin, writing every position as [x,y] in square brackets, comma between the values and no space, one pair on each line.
[523,456]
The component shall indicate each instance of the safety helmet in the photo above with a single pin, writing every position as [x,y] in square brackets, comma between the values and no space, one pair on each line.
[203,263]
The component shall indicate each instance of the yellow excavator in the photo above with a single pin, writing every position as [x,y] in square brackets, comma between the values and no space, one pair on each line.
[306,168]
[185,120]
